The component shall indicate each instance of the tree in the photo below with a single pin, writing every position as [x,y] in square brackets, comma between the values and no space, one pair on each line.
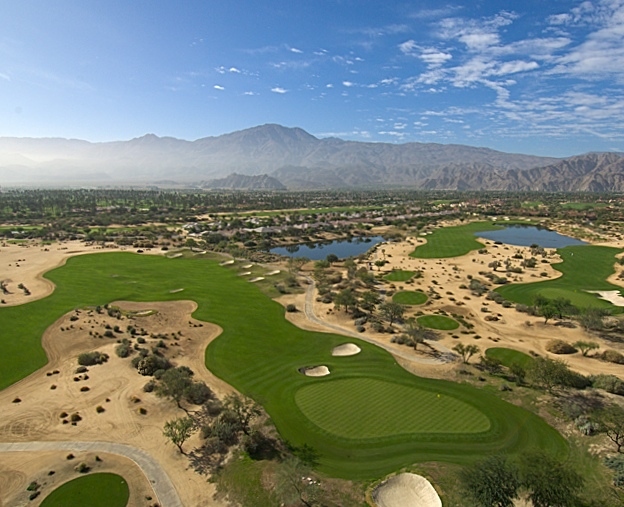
[369,301]
[331,258]
[549,482]
[591,319]
[419,334]
[494,265]
[179,430]
[174,384]
[345,298]
[292,485]
[564,307]
[380,264]
[548,373]
[492,482]
[243,409]
[586,347]
[490,364]
[611,420]
[392,311]
[296,263]
[466,351]
[548,312]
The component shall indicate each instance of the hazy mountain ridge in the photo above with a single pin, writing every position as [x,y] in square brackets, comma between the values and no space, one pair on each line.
[297,159]
[245,182]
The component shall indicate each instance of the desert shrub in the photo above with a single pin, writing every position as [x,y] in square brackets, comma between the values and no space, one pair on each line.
[99,409]
[560,347]
[522,308]
[151,363]
[197,393]
[609,383]
[92,358]
[75,417]
[149,386]
[612,356]
[123,350]
[586,426]
[140,339]
[290,308]
[81,369]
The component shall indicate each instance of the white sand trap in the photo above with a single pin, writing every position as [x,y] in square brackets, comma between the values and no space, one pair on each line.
[406,490]
[174,256]
[175,290]
[346,349]
[277,271]
[226,263]
[315,371]
[613,296]
[257,279]
[245,273]
[247,266]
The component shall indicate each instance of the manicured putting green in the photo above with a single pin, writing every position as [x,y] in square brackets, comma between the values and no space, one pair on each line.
[438,322]
[399,275]
[259,353]
[584,268]
[410,297]
[363,408]
[93,490]
[453,241]
[509,357]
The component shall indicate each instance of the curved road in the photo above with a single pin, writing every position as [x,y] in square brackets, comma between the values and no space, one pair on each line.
[158,478]
[447,354]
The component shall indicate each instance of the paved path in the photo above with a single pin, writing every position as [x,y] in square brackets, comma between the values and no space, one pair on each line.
[158,478]
[447,354]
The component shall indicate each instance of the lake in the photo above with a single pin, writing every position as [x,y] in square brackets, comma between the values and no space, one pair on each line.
[318,251]
[527,235]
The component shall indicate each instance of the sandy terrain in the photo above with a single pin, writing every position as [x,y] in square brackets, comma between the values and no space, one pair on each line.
[117,388]
[346,349]
[406,490]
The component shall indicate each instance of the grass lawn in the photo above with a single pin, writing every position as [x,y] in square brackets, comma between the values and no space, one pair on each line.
[508,357]
[93,490]
[453,241]
[584,267]
[584,205]
[438,322]
[399,275]
[260,352]
[410,297]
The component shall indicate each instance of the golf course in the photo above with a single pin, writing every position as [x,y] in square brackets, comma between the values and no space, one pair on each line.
[366,418]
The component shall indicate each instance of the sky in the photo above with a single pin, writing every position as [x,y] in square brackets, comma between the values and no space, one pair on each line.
[540,77]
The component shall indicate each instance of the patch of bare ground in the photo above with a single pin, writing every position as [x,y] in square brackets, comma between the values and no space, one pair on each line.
[109,399]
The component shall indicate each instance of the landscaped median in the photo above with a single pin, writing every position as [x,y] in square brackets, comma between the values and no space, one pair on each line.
[365,419]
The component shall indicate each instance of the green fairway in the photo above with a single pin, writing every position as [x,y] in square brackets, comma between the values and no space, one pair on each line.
[509,357]
[260,353]
[453,241]
[584,268]
[438,322]
[399,275]
[410,297]
[94,490]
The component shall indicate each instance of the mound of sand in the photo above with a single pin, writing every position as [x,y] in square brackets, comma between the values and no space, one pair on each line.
[247,266]
[315,371]
[276,272]
[226,263]
[406,490]
[245,273]
[613,296]
[346,349]
[257,279]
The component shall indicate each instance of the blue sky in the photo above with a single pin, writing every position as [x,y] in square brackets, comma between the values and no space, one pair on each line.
[540,77]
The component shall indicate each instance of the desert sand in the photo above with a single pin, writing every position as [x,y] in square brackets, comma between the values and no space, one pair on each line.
[406,490]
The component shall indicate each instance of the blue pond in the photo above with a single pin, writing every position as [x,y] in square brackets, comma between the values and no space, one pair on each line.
[317,251]
[527,235]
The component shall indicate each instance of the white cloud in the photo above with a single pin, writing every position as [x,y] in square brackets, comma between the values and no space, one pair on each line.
[295,50]
[348,84]
[329,85]
[277,89]
[250,93]
[218,87]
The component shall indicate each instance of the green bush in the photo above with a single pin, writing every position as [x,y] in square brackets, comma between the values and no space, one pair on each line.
[123,350]
[609,383]
[612,356]
[560,347]
[92,358]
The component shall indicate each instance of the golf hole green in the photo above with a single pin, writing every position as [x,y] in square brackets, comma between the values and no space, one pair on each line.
[439,322]
[410,297]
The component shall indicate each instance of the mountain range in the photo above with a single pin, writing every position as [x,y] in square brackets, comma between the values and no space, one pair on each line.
[276,157]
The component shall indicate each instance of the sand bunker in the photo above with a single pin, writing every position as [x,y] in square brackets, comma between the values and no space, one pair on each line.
[175,290]
[226,263]
[613,296]
[247,266]
[245,273]
[346,349]
[406,490]
[175,256]
[273,272]
[257,279]
[315,371]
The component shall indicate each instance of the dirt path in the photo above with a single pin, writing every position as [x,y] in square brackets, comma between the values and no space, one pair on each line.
[158,478]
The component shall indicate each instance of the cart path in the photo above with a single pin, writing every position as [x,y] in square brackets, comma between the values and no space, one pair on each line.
[156,475]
